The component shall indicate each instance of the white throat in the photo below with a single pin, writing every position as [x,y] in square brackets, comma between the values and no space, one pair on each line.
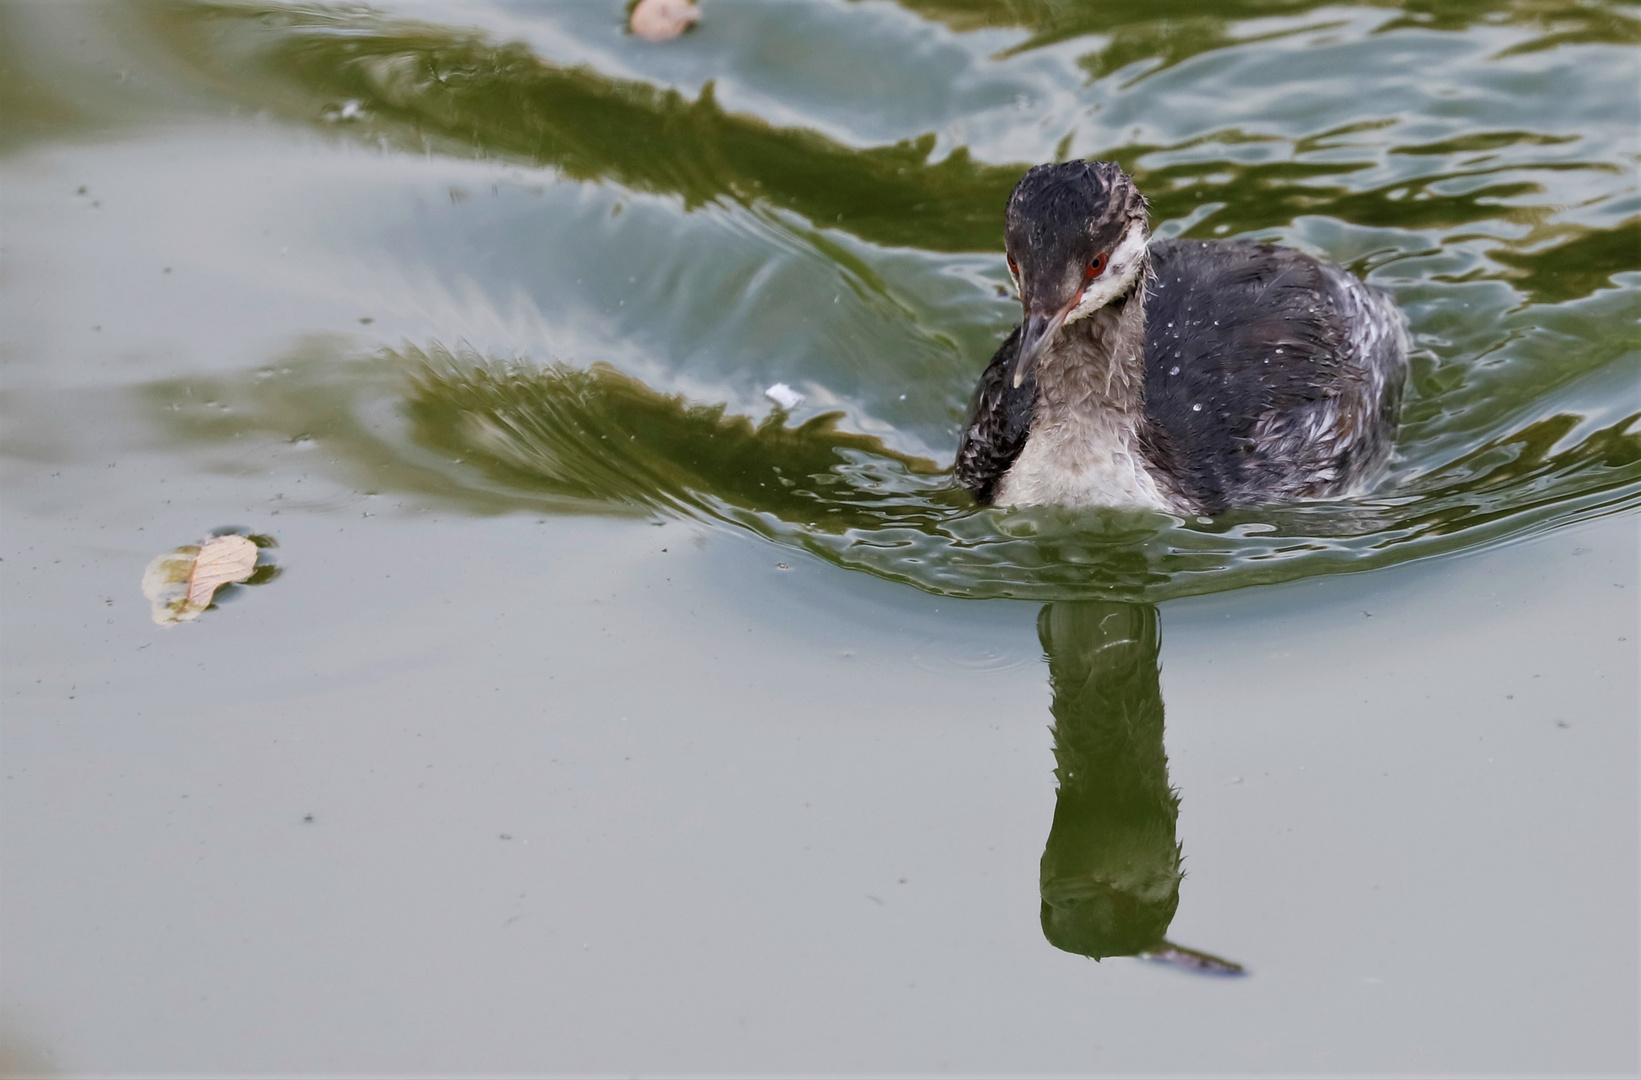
[1123,267]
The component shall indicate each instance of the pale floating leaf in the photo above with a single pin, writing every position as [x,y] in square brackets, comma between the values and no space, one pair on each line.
[223,560]
[181,583]
[662,20]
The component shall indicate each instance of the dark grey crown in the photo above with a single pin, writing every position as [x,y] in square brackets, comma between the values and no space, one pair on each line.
[1061,215]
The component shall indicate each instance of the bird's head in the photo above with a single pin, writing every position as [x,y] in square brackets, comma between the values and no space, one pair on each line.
[1076,239]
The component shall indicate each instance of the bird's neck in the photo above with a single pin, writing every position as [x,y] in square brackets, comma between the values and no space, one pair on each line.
[1096,366]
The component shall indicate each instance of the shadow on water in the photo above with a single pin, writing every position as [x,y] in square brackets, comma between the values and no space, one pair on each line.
[1111,868]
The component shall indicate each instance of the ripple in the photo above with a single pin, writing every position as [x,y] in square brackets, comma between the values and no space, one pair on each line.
[1476,163]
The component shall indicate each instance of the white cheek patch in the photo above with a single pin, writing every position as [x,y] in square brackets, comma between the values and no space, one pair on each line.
[1121,268]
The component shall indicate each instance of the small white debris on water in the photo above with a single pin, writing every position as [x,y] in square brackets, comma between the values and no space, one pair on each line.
[783,396]
[348,110]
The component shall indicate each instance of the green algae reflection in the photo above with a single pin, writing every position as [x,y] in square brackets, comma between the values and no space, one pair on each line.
[599,434]
[460,92]
[510,437]
[1509,237]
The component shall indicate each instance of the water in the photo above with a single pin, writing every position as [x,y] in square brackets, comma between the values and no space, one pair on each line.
[644,726]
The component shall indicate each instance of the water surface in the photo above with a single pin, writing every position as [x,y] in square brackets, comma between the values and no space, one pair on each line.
[603,717]
[1490,187]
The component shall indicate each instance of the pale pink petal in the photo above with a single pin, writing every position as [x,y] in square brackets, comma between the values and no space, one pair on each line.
[659,20]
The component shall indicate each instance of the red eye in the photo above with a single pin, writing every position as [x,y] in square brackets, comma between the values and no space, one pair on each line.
[1095,268]
[1013,268]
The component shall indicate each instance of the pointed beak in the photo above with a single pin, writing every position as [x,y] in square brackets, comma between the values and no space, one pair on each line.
[1036,332]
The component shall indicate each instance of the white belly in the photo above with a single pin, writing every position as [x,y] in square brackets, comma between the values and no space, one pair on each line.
[1080,463]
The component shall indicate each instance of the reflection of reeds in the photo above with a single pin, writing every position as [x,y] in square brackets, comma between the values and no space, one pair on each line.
[431,87]
[495,437]
[603,436]
[599,435]
[464,94]
[1167,32]
[1480,222]
[1522,473]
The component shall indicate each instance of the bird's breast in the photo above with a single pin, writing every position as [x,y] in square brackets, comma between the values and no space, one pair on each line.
[1081,461]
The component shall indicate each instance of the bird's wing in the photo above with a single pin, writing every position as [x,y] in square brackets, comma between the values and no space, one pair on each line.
[998,424]
[1269,376]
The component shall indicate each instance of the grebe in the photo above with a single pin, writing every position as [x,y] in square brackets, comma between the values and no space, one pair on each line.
[1182,375]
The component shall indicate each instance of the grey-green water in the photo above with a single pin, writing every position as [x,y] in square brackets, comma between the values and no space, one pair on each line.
[602,720]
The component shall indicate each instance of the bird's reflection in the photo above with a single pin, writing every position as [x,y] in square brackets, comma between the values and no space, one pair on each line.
[1111,868]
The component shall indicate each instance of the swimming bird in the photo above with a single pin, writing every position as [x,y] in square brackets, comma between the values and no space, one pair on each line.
[1187,376]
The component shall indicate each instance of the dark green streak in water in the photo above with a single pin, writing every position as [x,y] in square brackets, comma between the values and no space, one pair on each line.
[1173,30]
[497,437]
[1579,266]
[468,93]
[464,93]
[29,108]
